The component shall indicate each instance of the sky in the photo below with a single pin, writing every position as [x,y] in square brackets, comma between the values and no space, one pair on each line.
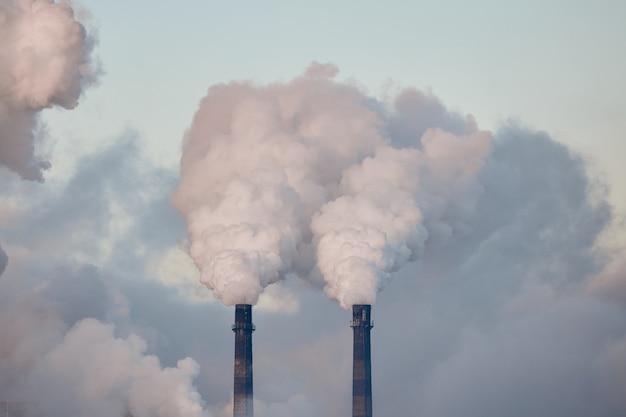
[553,65]
[491,132]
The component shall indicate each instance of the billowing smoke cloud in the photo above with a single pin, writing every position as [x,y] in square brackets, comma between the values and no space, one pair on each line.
[390,204]
[70,344]
[88,370]
[107,374]
[278,178]
[44,62]
[516,310]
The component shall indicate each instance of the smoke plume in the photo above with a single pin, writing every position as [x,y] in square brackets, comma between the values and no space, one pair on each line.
[513,297]
[108,374]
[308,177]
[45,62]
[87,370]
[70,345]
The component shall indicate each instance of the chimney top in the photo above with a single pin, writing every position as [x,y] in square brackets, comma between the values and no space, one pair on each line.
[243,318]
[362,316]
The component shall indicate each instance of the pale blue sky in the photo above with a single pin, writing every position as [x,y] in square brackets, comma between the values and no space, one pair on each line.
[555,65]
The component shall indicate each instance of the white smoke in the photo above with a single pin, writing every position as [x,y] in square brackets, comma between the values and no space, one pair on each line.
[58,359]
[389,205]
[104,375]
[257,163]
[514,305]
[44,62]
[89,371]
[273,174]
[70,346]
[513,301]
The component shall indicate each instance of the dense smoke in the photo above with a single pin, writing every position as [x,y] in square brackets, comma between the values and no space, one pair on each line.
[277,178]
[45,62]
[70,346]
[514,309]
[88,370]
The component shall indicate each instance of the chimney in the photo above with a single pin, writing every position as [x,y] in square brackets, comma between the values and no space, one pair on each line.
[361,361]
[243,328]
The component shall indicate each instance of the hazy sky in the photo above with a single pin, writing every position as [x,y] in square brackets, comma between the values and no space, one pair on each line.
[505,296]
[556,66]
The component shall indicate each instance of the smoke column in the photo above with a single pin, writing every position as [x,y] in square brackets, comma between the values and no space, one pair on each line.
[314,178]
[45,62]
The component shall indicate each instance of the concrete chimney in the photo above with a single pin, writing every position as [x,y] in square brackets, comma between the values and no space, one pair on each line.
[242,395]
[361,361]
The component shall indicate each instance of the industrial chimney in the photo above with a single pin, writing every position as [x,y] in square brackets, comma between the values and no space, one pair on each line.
[243,328]
[361,361]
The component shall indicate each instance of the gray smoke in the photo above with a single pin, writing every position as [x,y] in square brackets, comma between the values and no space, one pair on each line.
[45,62]
[71,345]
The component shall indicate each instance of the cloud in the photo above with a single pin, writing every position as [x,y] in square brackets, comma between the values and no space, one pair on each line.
[45,61]
[72,344]
[610,282]
[501,320]
[104,375]
[548,355]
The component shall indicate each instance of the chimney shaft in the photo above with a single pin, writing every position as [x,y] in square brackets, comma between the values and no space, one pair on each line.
[242,395]
[361,361]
